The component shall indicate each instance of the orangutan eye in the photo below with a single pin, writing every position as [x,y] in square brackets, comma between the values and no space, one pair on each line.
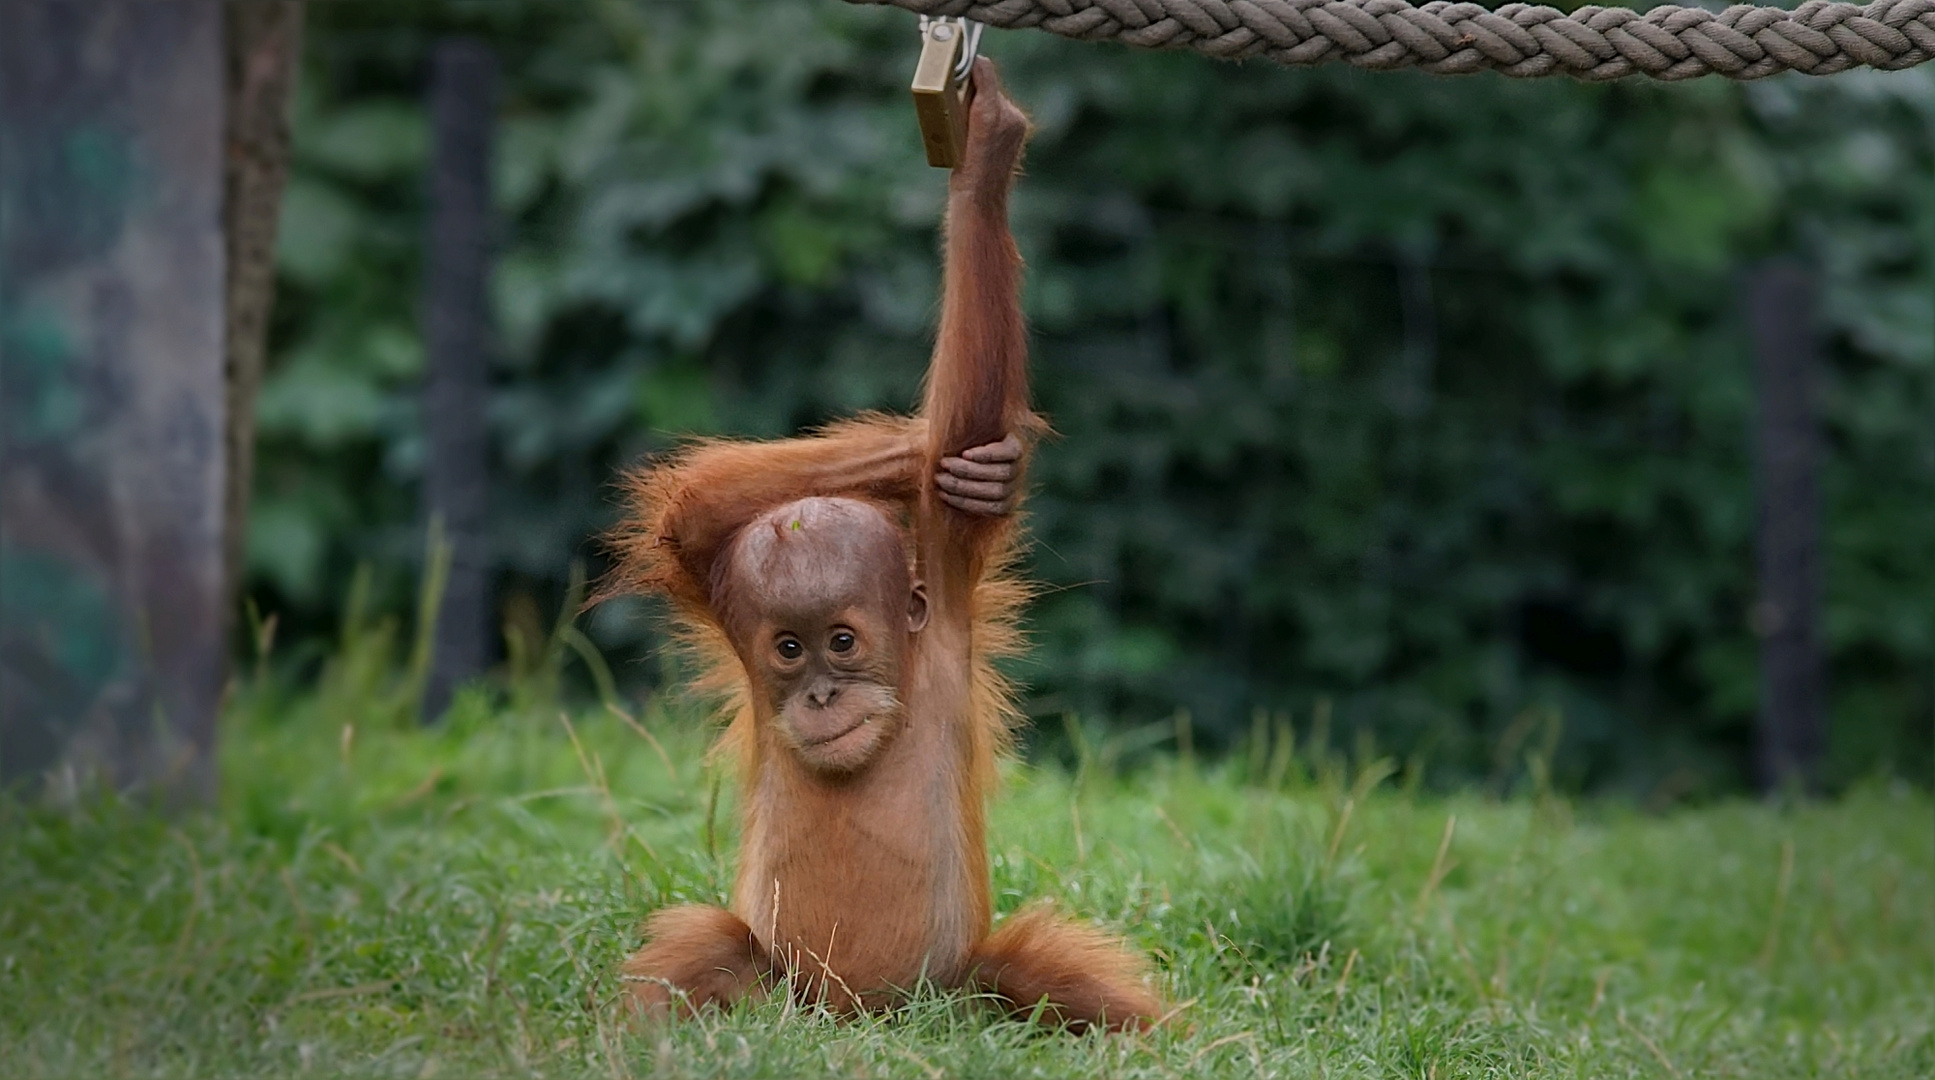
[789,648]
[842,641]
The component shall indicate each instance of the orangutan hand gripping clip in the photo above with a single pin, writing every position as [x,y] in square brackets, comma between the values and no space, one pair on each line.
[847,593]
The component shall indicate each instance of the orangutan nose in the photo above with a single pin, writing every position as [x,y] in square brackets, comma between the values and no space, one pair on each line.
[822,693]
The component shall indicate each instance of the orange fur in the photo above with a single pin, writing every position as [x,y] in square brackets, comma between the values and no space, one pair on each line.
[697,956]
[1078,975]
[855,887]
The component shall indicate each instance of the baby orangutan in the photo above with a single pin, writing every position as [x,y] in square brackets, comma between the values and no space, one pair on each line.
[847,591]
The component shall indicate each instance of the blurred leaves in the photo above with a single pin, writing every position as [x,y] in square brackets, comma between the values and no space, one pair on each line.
[1426,396]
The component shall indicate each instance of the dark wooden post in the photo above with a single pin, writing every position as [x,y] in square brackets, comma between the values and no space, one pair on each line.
[1792,732]
[112,477]
[264,44]
[463,110]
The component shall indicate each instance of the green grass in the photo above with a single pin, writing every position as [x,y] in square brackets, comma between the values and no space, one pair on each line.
[392,902]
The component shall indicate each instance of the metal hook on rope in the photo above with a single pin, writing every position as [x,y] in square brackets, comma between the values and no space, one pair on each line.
[942,90]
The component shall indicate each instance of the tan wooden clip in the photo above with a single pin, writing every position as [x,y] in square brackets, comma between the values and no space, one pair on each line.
[942,90]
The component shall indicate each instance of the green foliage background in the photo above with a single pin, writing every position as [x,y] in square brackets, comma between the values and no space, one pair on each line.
[1414,409]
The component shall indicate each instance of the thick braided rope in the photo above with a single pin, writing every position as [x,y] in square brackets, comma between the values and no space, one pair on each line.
[1819,37]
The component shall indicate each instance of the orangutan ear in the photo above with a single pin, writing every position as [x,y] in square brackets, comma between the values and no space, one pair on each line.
[917,608]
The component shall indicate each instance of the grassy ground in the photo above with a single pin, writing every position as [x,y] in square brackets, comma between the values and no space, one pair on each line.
[375,900]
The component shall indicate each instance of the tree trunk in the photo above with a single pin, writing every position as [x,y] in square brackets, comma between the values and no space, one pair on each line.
[264,48]
[463,109]
[112,476]
[1791,735]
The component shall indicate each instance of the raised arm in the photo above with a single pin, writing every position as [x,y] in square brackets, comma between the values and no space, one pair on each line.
[977,384]
[683,511]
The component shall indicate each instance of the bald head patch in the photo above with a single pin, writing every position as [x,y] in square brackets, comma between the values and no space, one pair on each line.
[814,556]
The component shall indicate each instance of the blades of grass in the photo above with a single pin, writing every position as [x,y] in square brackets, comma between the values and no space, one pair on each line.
[618,826]
[1439,868]
[594,662]
[646,734]
[1781,884]
[1651,1046]
[436,574]
[1283,755]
